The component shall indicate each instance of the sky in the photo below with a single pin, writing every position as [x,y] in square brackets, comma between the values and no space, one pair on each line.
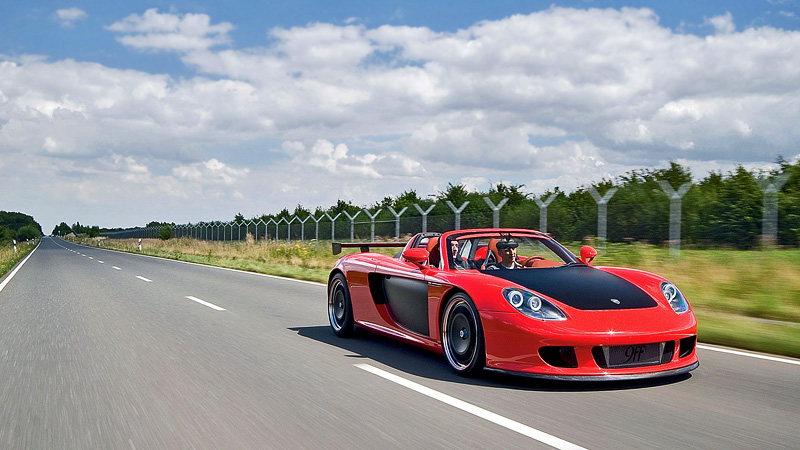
[121,113]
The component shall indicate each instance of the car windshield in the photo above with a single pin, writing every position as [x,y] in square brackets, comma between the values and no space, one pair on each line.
[506,250]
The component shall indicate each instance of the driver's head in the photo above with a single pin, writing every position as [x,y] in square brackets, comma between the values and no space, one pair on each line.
[507,251]
[454,247]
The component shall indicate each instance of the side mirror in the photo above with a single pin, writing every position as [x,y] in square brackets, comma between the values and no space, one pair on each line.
[587,254]
[416,255]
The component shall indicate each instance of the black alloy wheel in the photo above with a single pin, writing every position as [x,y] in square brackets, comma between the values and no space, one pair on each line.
[340,310]
[462,336]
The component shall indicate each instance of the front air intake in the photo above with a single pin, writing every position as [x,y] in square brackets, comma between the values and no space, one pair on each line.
[559,356]
[687,346]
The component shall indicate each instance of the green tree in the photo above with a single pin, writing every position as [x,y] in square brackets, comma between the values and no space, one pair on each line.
[6,235]
[28,232]
[62,229]
[165,233]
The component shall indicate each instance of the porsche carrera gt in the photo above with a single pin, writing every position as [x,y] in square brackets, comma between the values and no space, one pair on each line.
[517,301]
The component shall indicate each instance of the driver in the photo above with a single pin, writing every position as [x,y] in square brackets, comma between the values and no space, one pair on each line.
[507,252]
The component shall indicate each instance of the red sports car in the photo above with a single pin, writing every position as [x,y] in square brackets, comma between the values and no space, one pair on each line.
[516,301]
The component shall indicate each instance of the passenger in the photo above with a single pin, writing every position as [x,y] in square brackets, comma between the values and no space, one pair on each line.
[459,262]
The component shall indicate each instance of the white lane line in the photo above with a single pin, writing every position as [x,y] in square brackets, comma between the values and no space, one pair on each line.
[116,268]
[16,269]
[101,262]
[264,275]
[205,303]
[143,278]
[751,355]
[474,410]
[91,257]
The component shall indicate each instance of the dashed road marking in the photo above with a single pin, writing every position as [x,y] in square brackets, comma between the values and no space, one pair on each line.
[144,279]
[205,303]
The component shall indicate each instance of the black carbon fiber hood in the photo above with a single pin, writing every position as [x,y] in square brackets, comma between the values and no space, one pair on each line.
[579,286]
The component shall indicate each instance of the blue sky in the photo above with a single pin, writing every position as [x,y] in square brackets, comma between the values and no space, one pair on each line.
[119,113]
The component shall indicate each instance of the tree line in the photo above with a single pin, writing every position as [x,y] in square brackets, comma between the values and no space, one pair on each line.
[18,226]
[721,209]
[63,229]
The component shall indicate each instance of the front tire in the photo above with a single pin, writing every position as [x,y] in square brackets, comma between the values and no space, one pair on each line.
[462,336]
[340,309]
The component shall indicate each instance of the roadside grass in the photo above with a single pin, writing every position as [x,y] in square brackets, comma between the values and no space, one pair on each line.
[744,299]
[8,259]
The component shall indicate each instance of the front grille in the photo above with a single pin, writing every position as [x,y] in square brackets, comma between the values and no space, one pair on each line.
[634,355]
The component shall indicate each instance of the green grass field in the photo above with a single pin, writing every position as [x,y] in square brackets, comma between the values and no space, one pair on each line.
[745,299]
[9,259]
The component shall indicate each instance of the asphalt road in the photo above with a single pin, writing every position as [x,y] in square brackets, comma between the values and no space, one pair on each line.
[105,350]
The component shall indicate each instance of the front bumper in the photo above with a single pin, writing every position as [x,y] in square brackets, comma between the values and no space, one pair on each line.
[517,344]
[607,377]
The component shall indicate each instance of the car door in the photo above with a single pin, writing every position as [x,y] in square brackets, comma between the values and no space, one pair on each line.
[400,288]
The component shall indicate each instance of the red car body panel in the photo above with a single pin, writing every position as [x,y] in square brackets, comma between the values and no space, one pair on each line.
[513,340]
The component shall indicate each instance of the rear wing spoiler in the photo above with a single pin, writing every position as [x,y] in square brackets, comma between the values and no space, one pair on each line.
[364,246]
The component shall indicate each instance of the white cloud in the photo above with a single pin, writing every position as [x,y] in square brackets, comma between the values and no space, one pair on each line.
[211,171]
[171,32]
[722,24]
[561,97]
[69,16]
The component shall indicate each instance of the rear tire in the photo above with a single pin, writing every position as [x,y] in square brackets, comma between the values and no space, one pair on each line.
[340,309]
[462,336]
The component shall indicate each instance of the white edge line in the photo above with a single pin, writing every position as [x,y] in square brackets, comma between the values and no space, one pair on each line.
[474,410]
[116,268]
[144,279]
[751,355]
[19,266]
[205,303]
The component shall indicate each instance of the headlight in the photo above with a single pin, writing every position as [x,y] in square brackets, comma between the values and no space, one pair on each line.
[532,305]
[674,297]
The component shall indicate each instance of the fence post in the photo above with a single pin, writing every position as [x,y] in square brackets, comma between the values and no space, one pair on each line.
[424,216]
[543,210]
[457,211]
[303,227]
[495,210]
[288,228]
[602,213]
[397,220]
[316,227]
[352,223]
[674,214]
[372,223]
[333,225]
[769,233]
